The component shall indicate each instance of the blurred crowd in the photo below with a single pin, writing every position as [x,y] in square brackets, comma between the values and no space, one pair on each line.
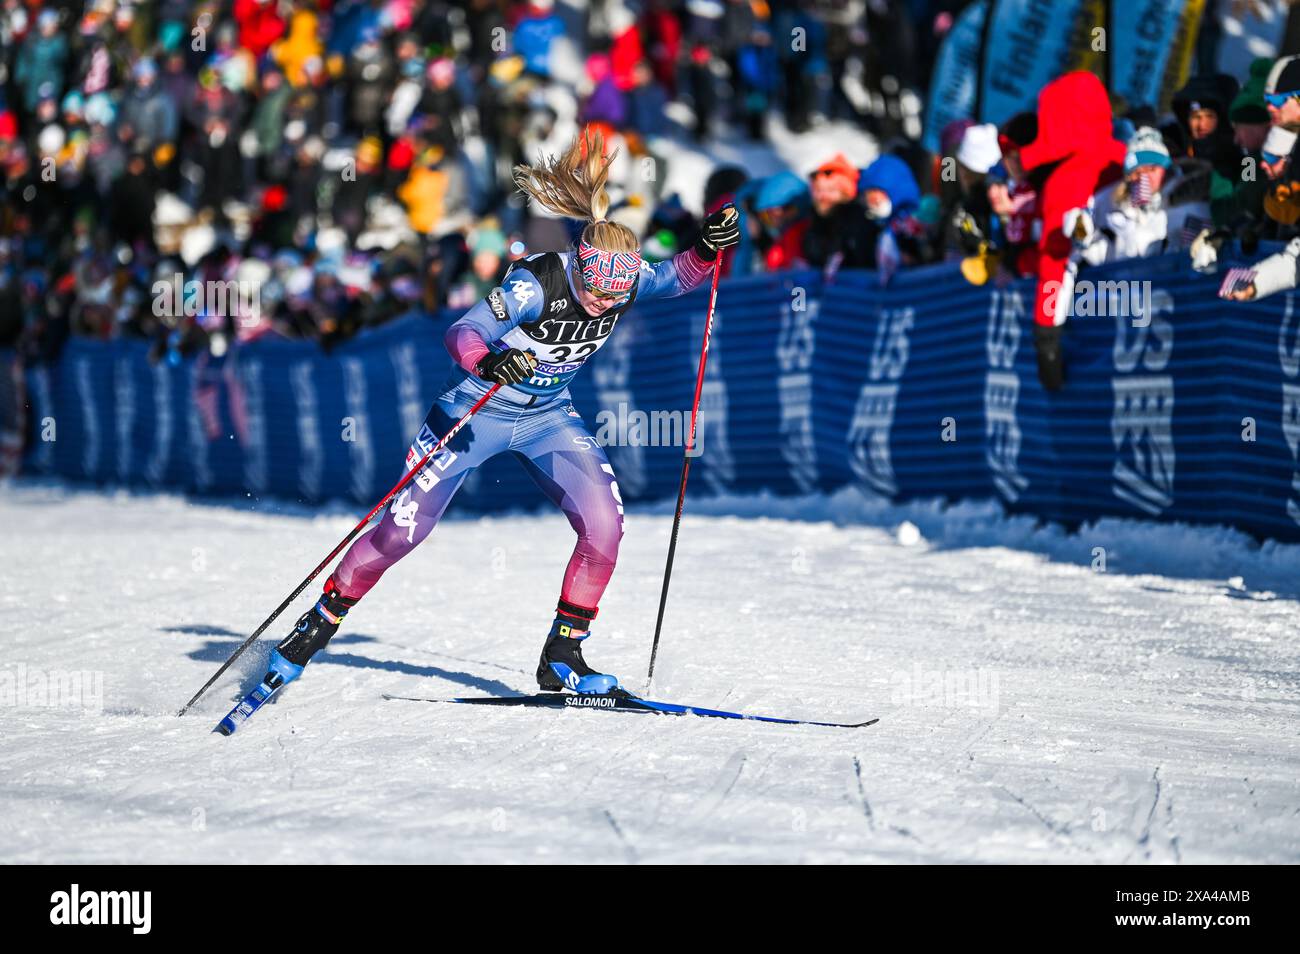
[350,159]
[1075,183]
[1051,191]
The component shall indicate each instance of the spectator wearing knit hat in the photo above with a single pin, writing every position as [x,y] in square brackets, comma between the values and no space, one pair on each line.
[486,263]
[1282,93]
[893,199]
[969,222]
[1277,193]
[1249,112]
[1155,208]
[942,182]
[1251,124]
[839,233]
[775,216]
[1201,108]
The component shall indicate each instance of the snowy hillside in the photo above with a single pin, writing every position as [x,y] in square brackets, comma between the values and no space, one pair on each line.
[1032,708]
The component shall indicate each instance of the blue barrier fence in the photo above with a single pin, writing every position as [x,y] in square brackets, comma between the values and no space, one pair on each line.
[1188,409]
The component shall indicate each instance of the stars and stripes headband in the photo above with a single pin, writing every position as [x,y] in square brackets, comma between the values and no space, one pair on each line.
[608,274]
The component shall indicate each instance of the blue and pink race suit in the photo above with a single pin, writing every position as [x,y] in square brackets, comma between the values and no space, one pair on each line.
[535,309]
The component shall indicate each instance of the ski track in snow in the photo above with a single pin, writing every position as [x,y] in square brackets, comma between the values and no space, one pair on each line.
[1146,714]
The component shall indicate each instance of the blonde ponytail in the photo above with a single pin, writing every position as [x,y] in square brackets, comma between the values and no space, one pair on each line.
[573,185]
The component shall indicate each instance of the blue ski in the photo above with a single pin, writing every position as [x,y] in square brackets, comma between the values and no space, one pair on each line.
[279,674]
[269,686]
[622,702]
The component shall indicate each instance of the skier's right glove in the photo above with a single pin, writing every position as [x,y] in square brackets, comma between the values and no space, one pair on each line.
[506,367]
[720,230]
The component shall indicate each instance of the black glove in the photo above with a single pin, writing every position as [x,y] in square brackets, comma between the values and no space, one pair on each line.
[507,367]
[721,230]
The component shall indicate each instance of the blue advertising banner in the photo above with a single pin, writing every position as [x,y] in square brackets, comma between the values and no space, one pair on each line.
[1145,34]
[1178,406]
[1029,43]
[955,75]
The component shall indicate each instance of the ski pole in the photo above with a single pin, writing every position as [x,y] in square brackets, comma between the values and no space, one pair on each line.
[455,429]
[686,464]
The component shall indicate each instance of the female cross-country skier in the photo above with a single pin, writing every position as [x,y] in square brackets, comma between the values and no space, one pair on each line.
[532,334]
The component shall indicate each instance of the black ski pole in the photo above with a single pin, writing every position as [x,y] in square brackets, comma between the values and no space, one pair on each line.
[686,466]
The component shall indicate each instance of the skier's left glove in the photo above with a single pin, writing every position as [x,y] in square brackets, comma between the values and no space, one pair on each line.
[507,367]
[720,230]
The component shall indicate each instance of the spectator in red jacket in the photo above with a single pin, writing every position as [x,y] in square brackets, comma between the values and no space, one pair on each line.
[1075,140]
[260,24]
[662,28]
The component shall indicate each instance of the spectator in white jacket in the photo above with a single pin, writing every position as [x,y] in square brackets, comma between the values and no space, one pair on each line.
[1157,207]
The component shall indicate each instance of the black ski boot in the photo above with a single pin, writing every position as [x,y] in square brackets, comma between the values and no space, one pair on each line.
[1051,360]
[562,666]
[315,628]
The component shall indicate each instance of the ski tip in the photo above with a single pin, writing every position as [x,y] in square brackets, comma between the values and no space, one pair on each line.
[392,698]
[847,725]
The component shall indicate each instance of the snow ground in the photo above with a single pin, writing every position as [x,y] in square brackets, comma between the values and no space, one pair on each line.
[1147,713]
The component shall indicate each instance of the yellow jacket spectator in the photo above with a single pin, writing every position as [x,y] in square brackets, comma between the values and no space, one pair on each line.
[301,44]
[424,192]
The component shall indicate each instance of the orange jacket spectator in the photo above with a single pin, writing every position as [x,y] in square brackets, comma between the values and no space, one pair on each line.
[424,194]
[302,44]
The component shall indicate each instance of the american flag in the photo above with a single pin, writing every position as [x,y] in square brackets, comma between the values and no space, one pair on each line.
[1236,278]
[1193,225]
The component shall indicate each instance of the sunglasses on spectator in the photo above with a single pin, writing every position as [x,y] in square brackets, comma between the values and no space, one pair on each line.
[1280,99]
